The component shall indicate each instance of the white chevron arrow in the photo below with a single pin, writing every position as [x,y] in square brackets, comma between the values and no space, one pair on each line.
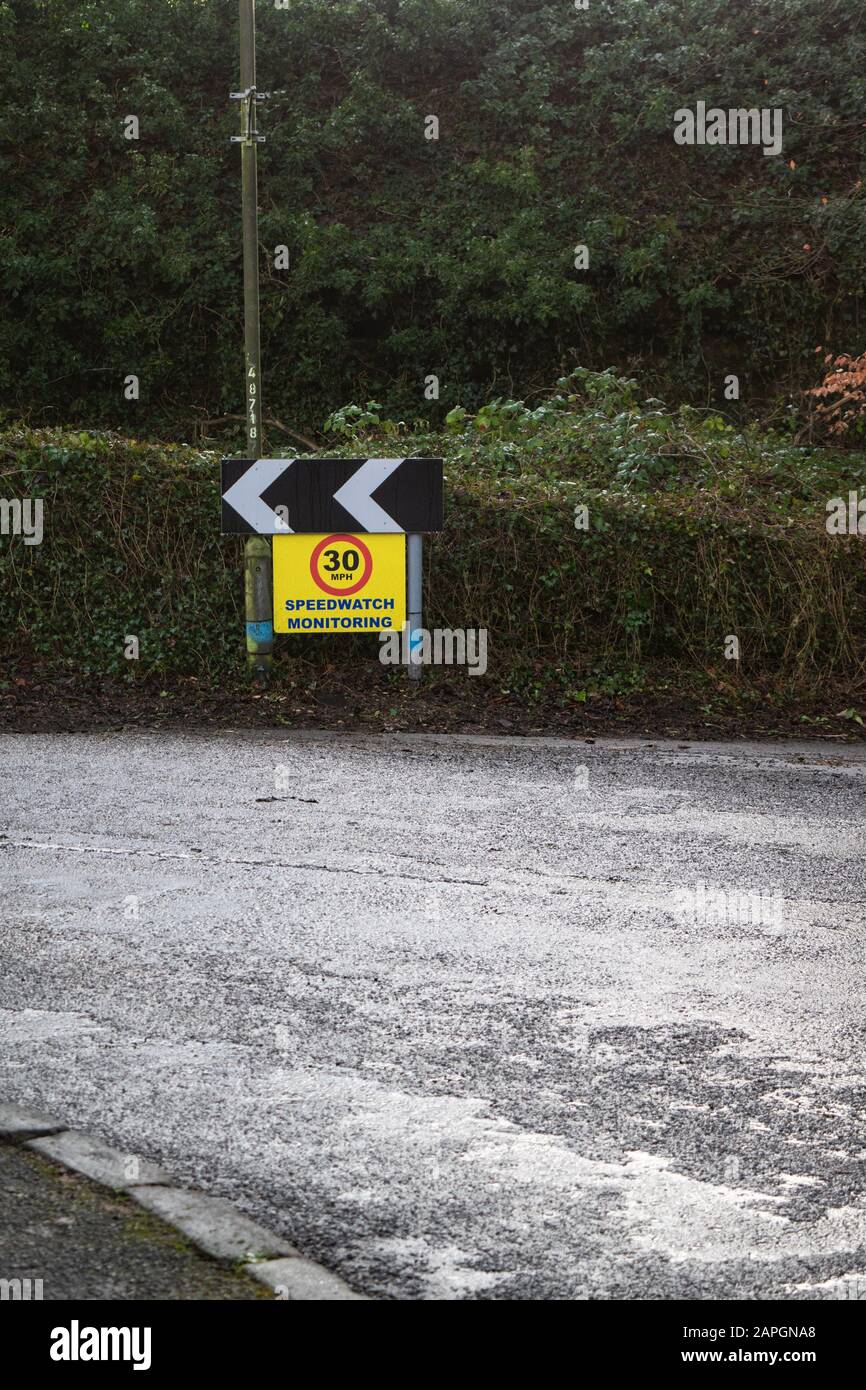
[246,496]
[354,495]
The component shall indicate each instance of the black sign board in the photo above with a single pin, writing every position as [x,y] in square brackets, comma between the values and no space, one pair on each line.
[275,497]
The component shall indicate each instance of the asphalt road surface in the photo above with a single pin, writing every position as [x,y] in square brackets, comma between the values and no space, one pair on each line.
[462,1018]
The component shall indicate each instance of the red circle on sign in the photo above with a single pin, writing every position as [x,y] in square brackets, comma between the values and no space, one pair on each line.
[358,545]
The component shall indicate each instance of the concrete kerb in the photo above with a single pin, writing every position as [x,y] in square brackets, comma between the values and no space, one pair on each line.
[212,1224]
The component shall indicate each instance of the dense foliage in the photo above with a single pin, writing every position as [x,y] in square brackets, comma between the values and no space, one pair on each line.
[408,256]
[695,531]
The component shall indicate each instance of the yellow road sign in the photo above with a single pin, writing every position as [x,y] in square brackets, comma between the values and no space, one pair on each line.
[339,583]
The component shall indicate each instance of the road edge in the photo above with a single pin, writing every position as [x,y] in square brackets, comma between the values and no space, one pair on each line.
[213,1225]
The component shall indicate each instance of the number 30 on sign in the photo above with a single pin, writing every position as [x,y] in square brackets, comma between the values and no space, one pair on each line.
[339,583]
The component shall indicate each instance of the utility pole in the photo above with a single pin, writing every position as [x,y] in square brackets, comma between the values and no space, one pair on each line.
[258,569]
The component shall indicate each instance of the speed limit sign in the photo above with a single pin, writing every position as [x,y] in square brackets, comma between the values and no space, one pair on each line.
[339,583]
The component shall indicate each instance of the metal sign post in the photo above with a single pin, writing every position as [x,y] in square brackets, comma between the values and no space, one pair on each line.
[257,551]
[415,585]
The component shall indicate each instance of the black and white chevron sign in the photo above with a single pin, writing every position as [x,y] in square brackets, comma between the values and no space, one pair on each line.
[286,496]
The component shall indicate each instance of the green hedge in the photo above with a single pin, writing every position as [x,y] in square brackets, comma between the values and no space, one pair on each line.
[408,256]
[695,532]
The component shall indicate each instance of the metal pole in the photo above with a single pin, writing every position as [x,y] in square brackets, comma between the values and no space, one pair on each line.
[415,559]
[258,571]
